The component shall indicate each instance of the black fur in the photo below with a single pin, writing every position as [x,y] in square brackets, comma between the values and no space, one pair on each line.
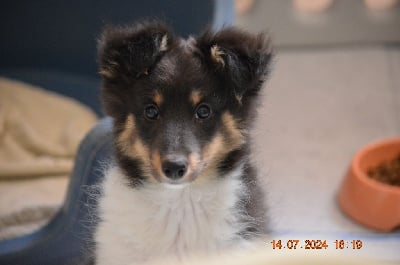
[246,59]
[132,168]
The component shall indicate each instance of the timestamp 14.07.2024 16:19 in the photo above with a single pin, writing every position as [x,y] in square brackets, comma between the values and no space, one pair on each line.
[315,244]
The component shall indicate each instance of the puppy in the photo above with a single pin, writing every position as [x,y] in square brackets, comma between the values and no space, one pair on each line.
[182,182]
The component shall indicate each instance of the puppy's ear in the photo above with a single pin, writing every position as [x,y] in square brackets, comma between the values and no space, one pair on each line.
[133,50]
[241,59]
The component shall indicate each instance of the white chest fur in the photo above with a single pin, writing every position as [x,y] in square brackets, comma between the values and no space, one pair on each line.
[157,221]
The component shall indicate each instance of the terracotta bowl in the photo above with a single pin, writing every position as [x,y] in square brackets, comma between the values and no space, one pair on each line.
[368,201]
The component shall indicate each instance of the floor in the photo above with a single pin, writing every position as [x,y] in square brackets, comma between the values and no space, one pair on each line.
[319,107]
[344,22]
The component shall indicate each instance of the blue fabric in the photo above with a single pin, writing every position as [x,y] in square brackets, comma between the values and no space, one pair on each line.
[223,14]
[66,240]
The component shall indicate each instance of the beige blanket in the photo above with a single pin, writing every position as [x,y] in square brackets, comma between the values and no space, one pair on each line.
[39,135]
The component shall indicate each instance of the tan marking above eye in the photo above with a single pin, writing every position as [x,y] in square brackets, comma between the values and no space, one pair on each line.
[157,98]
[195,97]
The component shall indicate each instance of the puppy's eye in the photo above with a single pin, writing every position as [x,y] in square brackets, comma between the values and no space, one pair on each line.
[151,112]
[203,111]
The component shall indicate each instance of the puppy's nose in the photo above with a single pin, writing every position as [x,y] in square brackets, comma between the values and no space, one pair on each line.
[174,169]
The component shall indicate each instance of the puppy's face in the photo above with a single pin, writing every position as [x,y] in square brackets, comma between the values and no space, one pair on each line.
[180,107]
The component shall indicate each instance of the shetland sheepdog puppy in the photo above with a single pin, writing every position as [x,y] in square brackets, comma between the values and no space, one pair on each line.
[182,182]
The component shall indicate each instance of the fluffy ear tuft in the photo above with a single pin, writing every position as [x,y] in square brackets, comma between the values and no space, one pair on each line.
[241,59]
[132,50]
[216,55]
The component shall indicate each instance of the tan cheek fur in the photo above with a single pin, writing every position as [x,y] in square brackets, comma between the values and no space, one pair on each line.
[236,137]
[132,146]
[156,163]
[221,145]
[124,139]
[194,166]
[210,151]
[212,154]
[194,161]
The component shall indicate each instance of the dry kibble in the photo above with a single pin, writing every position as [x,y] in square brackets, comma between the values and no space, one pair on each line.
[387,172]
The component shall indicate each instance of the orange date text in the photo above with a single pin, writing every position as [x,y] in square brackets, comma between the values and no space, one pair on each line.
[315,244]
